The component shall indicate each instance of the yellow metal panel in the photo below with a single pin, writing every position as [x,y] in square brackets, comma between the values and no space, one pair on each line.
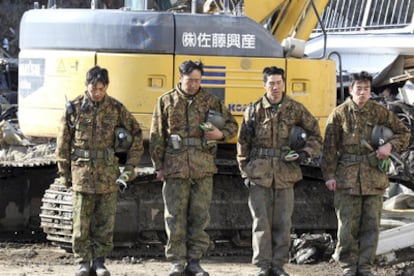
[137,80]
[64,76]
[313,83]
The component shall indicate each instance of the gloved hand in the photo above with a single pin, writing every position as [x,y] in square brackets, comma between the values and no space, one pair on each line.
[128,174]
[291,156]
[303,156]
[246,182]
[65,181]
[207,126]
[372,159]
[124,176]
[384,164]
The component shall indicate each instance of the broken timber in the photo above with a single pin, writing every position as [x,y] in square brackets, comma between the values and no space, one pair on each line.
[395,239]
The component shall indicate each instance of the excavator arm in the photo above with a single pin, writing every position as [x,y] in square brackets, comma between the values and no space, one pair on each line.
[286,18]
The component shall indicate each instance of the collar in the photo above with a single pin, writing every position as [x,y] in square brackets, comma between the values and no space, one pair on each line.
[354,106]
[267,104]
[182,94]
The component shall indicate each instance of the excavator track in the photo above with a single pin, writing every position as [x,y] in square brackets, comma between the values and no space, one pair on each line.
[56,214]
[139,224]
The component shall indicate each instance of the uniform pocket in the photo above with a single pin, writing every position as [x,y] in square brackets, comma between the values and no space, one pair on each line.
[260,172]
[347,173]
[83,131]
[176,163]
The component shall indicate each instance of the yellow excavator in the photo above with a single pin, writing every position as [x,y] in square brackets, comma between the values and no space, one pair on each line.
[142,43]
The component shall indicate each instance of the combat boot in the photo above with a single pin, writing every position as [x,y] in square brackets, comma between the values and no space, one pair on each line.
[84,269]
[99,267]
[194,269]
[177,269]
[349,272]
[279,271]
[262,271]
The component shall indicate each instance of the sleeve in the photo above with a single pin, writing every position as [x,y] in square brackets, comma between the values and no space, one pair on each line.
[63,148]
[230,126]
[157,137]
[314,141]
[330,147]
[137,148]
[401,137]
[244,140]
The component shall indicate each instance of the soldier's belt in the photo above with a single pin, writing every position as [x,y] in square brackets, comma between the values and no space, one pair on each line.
[93,154]
[353,157]
[189,141]
[266,152]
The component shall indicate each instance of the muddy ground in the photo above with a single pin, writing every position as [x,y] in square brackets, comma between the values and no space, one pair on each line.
[23,259]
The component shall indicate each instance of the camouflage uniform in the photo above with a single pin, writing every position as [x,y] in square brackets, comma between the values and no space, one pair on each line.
[260,149]
[87,161]
[360,186]
[188,171]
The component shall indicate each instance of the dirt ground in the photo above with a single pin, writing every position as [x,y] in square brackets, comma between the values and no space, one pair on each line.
[45,259]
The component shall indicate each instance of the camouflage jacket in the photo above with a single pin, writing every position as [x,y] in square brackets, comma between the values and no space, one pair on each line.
[346,126]
[270,129]
[180,114]
[93,132]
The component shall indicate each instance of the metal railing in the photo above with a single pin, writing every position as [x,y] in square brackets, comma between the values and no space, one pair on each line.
[367,15]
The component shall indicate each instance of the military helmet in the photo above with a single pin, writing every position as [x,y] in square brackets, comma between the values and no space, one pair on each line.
[297,138]
[216,118]
[123,139]
[380,135]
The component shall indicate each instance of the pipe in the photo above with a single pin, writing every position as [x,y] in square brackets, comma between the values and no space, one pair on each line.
[341,82]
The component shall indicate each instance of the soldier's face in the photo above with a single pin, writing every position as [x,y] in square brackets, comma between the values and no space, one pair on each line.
[275,87]
[97,92]
[360,92]
[190,83]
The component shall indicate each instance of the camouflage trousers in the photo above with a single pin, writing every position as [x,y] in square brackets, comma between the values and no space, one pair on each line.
[93,225]
[358,229]
[186,215]
[271,211]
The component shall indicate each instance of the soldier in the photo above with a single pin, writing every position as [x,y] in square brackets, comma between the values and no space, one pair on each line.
[351,170]
[186,124]
[87,163]
[268,156]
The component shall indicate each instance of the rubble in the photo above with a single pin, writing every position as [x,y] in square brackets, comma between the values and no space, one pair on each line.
[312,248]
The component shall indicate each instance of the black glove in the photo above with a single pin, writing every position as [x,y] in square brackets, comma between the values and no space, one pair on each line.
[246,182]
[303,156]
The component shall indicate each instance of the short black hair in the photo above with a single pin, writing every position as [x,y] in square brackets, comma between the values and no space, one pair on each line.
[273,70]
[361,76]
[189,66]
[97,74]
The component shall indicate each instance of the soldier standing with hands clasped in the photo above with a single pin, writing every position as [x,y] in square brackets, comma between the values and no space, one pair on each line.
[86,148]
[187,122]
[357,173]
[275,134]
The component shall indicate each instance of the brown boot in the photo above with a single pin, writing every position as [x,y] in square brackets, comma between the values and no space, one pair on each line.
[194,269]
